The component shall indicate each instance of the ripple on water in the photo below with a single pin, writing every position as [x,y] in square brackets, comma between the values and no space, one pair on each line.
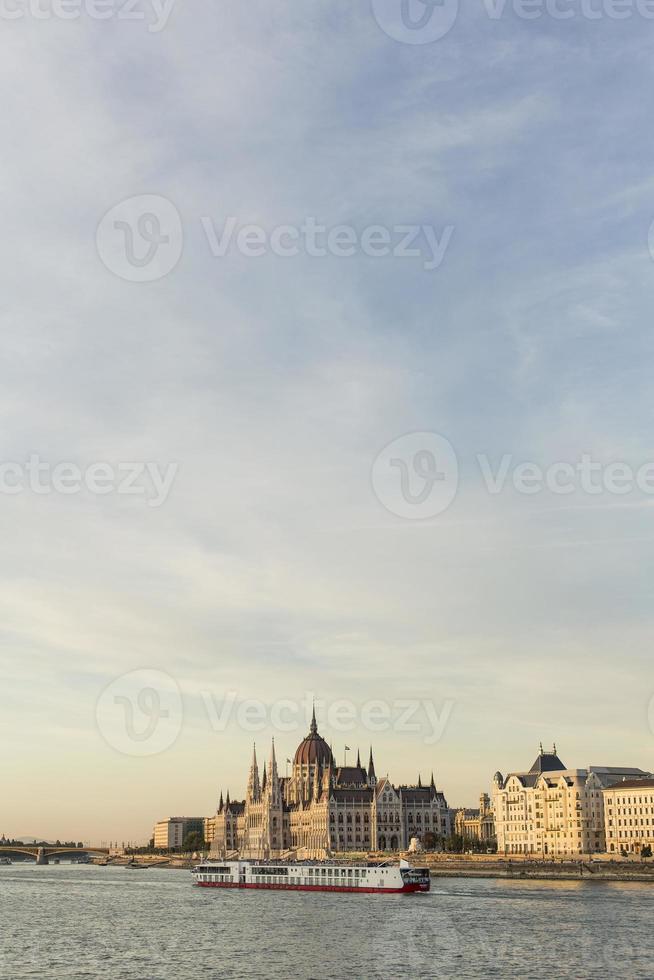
[74,923]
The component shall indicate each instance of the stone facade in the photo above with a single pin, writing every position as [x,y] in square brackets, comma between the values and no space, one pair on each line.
[551,810]
[476,824]
[322,808]
[629,816]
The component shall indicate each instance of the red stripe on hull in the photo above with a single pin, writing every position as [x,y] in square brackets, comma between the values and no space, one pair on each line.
[313,888]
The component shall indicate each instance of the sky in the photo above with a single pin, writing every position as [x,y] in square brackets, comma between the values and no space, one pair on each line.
[350,459]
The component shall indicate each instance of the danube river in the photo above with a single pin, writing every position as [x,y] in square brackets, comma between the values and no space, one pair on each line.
[65,921]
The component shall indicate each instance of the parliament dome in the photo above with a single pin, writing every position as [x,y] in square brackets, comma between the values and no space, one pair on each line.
[313,750]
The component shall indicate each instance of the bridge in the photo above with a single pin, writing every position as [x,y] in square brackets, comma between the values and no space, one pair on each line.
[42,853]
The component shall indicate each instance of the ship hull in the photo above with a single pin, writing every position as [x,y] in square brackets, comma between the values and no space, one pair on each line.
[404,890]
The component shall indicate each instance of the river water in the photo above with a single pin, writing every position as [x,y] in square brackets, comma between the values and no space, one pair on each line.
[80,922]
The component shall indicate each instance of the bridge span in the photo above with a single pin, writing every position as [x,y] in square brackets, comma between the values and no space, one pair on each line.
[42,853]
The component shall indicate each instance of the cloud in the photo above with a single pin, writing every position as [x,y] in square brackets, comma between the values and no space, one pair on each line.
[274,383]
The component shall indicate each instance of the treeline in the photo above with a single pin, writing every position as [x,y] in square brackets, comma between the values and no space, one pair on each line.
[42,843]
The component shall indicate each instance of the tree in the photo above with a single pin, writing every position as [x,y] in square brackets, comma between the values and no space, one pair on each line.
[194,841]
[455,843]
[646,851]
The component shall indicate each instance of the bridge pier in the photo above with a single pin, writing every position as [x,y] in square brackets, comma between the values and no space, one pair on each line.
[40,856]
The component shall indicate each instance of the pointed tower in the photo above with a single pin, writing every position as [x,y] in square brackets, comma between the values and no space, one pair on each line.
[254,788]
[221,804]
[263,782]
[272,826]
[419,782]
[372,779]
[227,801]
[432,785]
[358,759]
[272,781]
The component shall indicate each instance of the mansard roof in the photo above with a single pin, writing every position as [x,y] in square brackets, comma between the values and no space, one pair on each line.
[415,794]
[547,762]
[612,775]
[351,775]
[352,795]
[632,784]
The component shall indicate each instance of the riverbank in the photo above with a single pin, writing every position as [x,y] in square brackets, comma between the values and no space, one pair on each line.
[469,866]
[474,866]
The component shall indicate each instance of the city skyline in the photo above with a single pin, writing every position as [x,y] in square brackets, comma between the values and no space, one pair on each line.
[182,794]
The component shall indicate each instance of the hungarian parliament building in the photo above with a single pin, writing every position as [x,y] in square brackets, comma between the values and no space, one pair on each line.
[322,808]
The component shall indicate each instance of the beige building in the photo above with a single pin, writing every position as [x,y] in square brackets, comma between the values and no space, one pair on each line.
[476,824]
[321,808]
[629,816]
[209,829]
[171,833]
[551,810]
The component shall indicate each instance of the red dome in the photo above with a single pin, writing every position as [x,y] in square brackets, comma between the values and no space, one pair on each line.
[313,749]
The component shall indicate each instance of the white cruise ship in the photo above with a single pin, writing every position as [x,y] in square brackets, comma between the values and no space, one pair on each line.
[321,876]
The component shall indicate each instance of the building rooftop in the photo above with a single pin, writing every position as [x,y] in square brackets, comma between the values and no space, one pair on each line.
[632,784]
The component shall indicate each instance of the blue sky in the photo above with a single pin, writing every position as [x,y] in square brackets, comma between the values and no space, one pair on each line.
[274,383]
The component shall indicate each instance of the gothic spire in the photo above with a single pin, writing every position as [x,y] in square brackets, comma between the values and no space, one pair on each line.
[313,728]
[432,784]
[221,804]
[272,765]
[358,760]
[254,788]
[419,782]
[371,766]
